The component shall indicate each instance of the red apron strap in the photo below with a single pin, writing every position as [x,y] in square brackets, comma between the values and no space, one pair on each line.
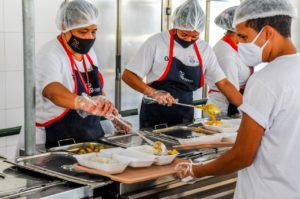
[230,42]
[171,50]
[89,58]
[201,64]
[99,73]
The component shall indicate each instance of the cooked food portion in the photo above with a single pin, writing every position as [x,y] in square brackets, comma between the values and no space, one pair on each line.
[211,110]
[89,148]
[172,152]
[157,147]
[102,160]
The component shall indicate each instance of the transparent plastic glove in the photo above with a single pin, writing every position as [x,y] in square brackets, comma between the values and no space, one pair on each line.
[97,105]
[104,107]
[120,127]
[162,97]
[84,107]
[184,171]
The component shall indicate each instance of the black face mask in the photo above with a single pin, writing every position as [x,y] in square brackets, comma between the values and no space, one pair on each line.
[182,42]
[79,45]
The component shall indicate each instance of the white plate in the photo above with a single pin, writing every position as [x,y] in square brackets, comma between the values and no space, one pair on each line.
[136,159]
[159,159]
[102,162]
[202,139]
[227,126]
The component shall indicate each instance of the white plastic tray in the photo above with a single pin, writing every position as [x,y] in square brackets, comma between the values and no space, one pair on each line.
[159,159]
[228,126]
[118,166]
[201,139]
[136,159]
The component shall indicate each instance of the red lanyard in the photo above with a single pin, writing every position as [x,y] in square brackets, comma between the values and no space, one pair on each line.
[85,85]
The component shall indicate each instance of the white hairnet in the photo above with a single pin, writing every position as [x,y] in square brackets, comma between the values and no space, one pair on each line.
[254,9]
[189,16]
[76,14]
[224,19]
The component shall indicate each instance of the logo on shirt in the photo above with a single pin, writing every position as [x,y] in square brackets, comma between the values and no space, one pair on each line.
[183,78]
[192,59]
[166,58]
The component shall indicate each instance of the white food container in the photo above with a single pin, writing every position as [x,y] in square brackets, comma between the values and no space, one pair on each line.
[136,159]
[227,126]
[229,137]
[159,159]
[102,162]
[202,139]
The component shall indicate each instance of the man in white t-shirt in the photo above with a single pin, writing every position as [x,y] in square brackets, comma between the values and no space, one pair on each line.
[267,146]
[175,64]
[66,68]
[236,71]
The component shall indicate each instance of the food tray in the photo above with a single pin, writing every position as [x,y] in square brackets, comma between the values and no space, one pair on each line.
[202,139]
[228,126]
[131,140]
[134,175]
[159,159]
[177,132]
[106,163]
[124,140]
[74,148]
[136,159]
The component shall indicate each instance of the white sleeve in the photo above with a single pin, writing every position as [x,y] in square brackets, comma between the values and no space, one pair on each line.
[230,69]
[212,70]
[143,60]
[48,70]
[258,102]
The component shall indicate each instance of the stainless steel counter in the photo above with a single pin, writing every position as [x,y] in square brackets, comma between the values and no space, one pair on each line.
[16,183]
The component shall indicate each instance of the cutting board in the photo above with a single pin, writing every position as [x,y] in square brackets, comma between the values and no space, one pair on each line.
[134,175]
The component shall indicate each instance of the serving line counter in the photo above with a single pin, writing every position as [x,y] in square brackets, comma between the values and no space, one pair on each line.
[51,174]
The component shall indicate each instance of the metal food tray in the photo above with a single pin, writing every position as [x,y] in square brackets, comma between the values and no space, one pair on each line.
[51,164]
[175,132]
[73,148]
[131,140]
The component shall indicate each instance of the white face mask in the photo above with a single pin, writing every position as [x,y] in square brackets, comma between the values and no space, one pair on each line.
[250,53]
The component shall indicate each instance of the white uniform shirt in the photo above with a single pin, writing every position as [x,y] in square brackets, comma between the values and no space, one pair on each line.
[235,70]
[272,99]
[53,65]
[151,59]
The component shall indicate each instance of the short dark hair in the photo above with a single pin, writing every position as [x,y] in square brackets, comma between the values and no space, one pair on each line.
[282,23]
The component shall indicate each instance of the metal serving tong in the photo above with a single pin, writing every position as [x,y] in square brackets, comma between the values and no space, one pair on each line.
[161,147]
[208,108]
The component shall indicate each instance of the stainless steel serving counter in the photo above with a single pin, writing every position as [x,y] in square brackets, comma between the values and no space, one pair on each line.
[40,184]
[18,183]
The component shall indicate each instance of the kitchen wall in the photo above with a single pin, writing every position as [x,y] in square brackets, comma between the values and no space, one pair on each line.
[11,61]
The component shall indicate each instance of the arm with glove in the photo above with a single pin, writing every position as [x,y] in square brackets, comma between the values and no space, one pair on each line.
[162,97]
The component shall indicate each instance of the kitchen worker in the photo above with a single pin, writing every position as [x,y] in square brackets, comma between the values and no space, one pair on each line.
[175,63]
[268,139]
[67,67]
[236,71]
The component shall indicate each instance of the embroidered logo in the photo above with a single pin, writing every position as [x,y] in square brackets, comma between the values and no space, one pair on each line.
[75,43]
[182,76]
[192,59]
